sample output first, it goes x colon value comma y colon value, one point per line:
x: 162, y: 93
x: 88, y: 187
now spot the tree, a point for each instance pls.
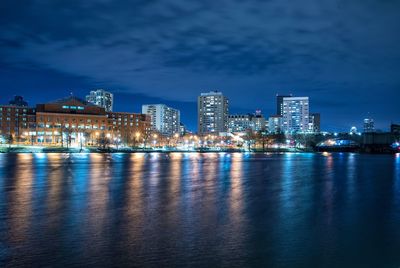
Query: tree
x: 9, y: 139
x: 250, y: 138
x: 103, y: 141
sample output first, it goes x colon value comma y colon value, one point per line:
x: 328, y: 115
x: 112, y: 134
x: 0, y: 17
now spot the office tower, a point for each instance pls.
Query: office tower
x: 279, y: 103
x: 275, y: 124
x: 164, y: 119
x: 101, y: 98
x: 295, y: 115
x: 212, y: 113
x: 369, y: 125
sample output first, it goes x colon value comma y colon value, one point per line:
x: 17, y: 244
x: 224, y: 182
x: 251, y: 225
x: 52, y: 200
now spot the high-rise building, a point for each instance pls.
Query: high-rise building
x: 275, y: 124
x: 101, y: 98
x: 213, y: 110
x: 369, y: 125
x: 164, y: 119
x: 296, y: 114
x: 315, y: 122
x: 279, y: 103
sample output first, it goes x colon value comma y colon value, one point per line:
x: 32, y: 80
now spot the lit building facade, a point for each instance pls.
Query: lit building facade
x: 240, y: 122
x: 164, y: 119
x: 101, y: 98
x: 275, y: 124
x: 70, y: 120
x: 213, y: 111
x: 296, y: 115
x: 369, y: 125
x: 243, y: 122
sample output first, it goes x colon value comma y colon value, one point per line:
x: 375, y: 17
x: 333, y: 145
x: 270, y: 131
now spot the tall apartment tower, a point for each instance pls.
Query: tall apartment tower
x: 101, y: 98
x: 213, y: 110
x: 279, y: 103
x: 164, y: 119
x: 295, y: 114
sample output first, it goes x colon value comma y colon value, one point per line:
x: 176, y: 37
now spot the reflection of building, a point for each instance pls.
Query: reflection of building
x: 275, y: 124
x: 101, y: 98
x: 70, y: 119
x: 164, y: 119
x: 212, y: 113
x: 369, y: 125
x: 295, y: 114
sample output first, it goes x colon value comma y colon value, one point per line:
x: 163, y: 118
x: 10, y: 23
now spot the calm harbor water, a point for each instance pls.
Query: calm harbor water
x: 200, y: 210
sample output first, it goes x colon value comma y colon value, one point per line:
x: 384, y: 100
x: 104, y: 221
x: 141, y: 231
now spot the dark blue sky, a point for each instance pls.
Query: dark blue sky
x: 345, y: 55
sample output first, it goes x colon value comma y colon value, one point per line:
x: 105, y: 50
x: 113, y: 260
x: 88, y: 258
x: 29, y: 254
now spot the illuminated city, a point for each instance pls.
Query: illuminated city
x: 200, y: 133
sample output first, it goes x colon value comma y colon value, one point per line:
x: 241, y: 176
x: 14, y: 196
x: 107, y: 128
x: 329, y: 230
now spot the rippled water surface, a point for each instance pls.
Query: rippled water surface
x: 200, y: 210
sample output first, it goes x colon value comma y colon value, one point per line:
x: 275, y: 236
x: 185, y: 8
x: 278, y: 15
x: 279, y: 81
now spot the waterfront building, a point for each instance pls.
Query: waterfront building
x: 240, y: 122
x: 259, y: 122
x: 243, y: 122
x: 213, y: 110
x: 164, y: 119
x: 70, y: 121
x: 101, y: 98
x: 369, y: 125
x: 295, y: 115
x: 275, y: 124
x: 15, y: 121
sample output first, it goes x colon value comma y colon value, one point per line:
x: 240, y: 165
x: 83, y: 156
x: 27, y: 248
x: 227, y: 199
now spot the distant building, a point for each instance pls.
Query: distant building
x: 279, y: 103
x: 18, y: 101
x: 182, y: 129
x: 240, y: 122
x: 259, y: 121
x: 296, y: 115
x: 395, y: 128
x: 164, y: 119
x: 243, y: 122
x: 213, y: 110
x: 275, y: 124
x: 369, y: 125
x: 315, y: 122
x: 101, y: 98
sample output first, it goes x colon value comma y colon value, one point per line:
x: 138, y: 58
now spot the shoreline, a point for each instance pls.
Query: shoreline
x: 11, y: 150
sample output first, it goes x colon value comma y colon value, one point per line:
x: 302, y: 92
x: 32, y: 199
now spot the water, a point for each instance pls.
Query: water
x: 200, y: 210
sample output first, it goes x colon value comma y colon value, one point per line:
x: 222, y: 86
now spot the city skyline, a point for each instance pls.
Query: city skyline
x: 343, y: 55
x: 193, y: 125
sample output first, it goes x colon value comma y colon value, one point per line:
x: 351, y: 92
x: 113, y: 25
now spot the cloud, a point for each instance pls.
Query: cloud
x: 175, y: 49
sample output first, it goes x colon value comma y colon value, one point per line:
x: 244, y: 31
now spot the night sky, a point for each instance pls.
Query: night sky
x: 344, y: 54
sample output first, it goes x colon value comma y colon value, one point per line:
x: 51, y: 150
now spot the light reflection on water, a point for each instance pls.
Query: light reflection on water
x: 194, y: 209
